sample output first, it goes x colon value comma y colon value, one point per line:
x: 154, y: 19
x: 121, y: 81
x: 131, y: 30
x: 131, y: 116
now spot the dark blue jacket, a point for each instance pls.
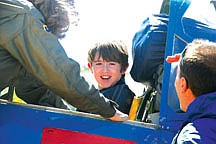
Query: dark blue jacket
x: 121, y: 94
x: 200, y: 124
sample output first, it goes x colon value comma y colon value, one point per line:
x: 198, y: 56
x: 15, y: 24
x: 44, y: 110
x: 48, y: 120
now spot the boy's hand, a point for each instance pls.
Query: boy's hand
x: 119, y: 116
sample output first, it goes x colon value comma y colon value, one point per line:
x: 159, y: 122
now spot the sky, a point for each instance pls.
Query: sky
x: 106, y: 20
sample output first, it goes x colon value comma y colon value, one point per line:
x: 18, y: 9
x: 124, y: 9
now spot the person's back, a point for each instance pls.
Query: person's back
x: 200, y: 125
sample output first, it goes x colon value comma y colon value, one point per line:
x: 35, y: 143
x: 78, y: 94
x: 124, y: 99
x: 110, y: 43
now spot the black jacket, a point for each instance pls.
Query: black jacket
x: 121, y: 94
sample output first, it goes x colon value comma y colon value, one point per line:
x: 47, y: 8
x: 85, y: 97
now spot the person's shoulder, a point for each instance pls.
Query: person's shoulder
x: 18, y: 8
x: 17, y: 15
x: 202, y: 122
x: 201, y: 131
x: 189, y: 134
x: 121, y: 88
x: 15, y: 6
x: 206, y: 128
x: 12, y: 20
x: 124, y: 88
x: 206, y: 124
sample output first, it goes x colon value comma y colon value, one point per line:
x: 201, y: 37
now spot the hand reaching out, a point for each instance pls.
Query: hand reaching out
x: 119, y: 116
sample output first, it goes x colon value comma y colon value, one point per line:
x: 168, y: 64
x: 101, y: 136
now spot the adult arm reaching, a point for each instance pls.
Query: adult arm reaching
x: 33, y: 60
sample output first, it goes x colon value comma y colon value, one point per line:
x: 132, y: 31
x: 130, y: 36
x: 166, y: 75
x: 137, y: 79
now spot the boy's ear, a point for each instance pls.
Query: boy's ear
x: 123, y: 71
x: 90, y: 67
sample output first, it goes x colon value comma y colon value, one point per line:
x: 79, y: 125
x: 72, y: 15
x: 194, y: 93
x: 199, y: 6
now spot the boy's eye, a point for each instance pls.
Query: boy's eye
x: 112, y: 63
x: 98, y: 63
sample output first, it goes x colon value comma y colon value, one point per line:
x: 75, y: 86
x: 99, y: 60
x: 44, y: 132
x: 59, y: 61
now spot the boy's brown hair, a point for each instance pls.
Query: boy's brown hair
x: 115, y: 51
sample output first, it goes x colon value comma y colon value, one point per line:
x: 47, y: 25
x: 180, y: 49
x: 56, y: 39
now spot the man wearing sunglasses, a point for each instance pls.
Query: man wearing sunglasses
x: 196, y: 89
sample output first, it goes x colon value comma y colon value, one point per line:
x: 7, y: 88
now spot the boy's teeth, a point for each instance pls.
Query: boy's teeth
x: 105, y: 76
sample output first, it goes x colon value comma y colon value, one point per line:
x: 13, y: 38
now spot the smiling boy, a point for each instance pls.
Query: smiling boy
x: 108, y: 62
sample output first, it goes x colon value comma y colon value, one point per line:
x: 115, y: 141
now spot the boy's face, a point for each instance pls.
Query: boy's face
x: 106, y: 73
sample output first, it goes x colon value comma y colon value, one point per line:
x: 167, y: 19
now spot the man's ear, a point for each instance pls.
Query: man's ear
x: 183, y: 85
x: 90, y: 67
